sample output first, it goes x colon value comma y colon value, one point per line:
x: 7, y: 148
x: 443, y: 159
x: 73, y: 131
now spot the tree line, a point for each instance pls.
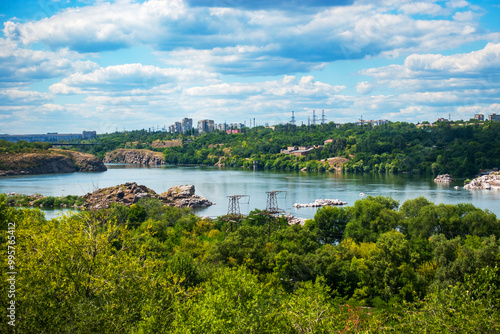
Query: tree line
x: 459, y: 148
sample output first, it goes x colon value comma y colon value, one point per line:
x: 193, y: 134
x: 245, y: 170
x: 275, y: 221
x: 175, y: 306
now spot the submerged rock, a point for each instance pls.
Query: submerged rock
x: 319, y: 203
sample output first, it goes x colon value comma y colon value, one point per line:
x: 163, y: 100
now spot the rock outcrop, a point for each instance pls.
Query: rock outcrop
x: 51, y: 161
x: 184, y: 197
x: 84, y: 162
x: 127, y: 194
x: 130, y: 193
x: 491, y: 181
x: 134, y: 156
x: 444, y: 178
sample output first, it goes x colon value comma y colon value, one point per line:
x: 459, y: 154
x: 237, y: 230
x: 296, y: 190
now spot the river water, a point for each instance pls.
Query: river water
x: 217, y: 183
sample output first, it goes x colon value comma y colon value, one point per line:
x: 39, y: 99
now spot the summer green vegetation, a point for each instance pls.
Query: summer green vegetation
x: 44, y: 201
x: 457, y: 148
x: 373, y: 267
x: 23, y: 147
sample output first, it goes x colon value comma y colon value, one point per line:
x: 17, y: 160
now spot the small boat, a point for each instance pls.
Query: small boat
x: 361, y: 194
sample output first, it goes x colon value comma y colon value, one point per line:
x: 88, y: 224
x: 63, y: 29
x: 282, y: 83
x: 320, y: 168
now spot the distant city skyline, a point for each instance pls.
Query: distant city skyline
x: 130, y: 64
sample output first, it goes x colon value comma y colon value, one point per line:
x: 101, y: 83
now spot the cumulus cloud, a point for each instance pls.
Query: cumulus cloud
x: 476, y: 65
x: 15, y: 97
x: 305, y: 87
x: 364, y: 87
x: 219, y: 100
x: 252, y: 37
x: 21, y: 66
x: 462, y: 84
x: 128, y: 77
x: 425, y: 8
x: 291, y: 5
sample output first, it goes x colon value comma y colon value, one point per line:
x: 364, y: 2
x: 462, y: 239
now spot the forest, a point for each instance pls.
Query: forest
x: 376, y: 266
x: 460, y: 148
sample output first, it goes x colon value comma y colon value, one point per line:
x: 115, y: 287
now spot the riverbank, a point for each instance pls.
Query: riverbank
x: 49, y: 162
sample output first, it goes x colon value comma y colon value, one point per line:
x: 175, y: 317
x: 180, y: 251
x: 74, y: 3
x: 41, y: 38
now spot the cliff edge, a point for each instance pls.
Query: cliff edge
x: 134, y: 156
x: 49, y: 161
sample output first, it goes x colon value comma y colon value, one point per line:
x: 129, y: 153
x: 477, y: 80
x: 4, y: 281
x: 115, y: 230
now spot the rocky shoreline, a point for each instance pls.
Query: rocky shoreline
x: 490, y: 181
x: 50, y: 161
x: 134, y: 156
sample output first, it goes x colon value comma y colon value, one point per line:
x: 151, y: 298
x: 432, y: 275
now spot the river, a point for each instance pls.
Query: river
x: 217, y: 183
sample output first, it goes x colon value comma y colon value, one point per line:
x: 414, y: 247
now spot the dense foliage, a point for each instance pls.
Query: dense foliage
x: 44, y: 201
x: 148, y: 268
x: 457, y: 148
x: 22, y: 147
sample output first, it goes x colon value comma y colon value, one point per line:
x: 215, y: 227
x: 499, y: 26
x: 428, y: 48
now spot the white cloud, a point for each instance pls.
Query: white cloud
x: 129, y: 77
x: 15, y: 97
x: 364, y: 87
x: 477, y: 65
x: 426, y: 8
x: 20, y: 66
x: 246, y: 40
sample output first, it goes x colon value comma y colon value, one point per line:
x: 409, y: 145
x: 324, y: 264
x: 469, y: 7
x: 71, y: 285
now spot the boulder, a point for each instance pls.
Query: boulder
x: 491, y: 181
x: 129, y: 193
x: 177, y: 192
x: 444, y: 178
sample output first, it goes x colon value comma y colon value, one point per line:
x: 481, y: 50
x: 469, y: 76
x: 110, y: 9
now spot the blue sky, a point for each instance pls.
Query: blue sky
x: 69, y: 66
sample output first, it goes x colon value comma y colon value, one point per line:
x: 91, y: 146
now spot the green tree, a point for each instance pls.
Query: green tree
x: 330, y: 223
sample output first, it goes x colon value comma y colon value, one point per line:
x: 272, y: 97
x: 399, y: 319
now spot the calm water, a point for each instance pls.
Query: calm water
x: 215, y: 184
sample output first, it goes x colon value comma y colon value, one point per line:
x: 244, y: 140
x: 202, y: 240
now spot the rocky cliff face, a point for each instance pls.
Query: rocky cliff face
x: 52, y: 161
x: 134, y: 156
x: 84, y: 162
x: 130, y: 193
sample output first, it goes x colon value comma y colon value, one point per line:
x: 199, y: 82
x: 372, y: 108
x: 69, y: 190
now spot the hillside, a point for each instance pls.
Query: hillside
x: 49, y: 161
x: 134, y: 156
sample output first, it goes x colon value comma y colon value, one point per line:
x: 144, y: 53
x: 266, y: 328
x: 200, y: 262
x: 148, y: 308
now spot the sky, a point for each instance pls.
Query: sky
x: 72, y: 65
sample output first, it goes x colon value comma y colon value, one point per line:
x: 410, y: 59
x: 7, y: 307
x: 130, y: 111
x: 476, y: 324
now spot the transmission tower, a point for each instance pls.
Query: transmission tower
x: 234, y: 216
x: 272, y: 202
x: 233, y: 208
x: 314, y: 117
x: 323, y: 119
x: 272, y: 211
x: 292, y: 121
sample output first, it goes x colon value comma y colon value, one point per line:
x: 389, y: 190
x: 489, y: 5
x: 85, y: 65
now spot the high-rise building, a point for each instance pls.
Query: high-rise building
x: 206, y: 125
x: 187, y: 124
x: 494, y: 117
x: 479, y: 117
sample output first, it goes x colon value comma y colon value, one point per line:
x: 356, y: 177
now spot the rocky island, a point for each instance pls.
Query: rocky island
x: 129, y: 193
x: 444, y: 178
x: 49, y: 161
x: 490, y: 181
x: 134, y: 156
